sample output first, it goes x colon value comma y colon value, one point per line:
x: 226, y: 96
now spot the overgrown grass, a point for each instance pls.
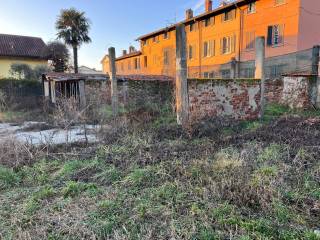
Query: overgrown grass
x: 141, y: 186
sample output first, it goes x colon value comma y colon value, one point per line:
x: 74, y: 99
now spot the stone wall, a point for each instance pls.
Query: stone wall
x: 238, y: 99
x: 297, y: 91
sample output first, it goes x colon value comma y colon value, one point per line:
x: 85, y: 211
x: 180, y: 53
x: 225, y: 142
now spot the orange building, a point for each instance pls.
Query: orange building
x: 224, y: 35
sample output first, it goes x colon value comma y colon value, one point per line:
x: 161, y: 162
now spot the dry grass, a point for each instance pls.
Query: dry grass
x: 140, y: 186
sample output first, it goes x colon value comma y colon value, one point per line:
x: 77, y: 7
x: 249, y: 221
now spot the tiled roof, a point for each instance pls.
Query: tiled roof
x: 161, y: 78
x: 199, y: 17
x: 133, y: 54
x: 21, y: 46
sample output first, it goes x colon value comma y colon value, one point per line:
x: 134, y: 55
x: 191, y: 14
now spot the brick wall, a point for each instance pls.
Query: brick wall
x: 273, y: 90
x: 239, y: 99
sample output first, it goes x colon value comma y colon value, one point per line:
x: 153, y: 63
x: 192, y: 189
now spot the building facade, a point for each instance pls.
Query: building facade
x: 226, y: 35
x: 20, y: 50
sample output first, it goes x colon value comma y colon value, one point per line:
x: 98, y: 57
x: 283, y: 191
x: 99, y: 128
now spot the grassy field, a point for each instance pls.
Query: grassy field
x: 222, y: 180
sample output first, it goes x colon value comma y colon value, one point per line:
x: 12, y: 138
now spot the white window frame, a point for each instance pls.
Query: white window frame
x: 208, y: 48
x: 277, y: 35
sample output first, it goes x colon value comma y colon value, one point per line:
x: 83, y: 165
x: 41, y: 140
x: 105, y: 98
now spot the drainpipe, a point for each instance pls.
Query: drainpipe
x: 240, y: 39
x: 200, y: 48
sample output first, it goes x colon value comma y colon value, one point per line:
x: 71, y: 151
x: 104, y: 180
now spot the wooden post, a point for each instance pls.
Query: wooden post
x: 113, y: 80
x: 182, y: 99
x: 315, y: 72
x: 53, y: 91
x: 259, y: 71
x: 82, y: 95
x: 46, y: 88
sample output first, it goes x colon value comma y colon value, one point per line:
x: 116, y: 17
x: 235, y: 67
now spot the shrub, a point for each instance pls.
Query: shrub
x: 74, y: 189
x: 3, y: 101
x: 8, y: 178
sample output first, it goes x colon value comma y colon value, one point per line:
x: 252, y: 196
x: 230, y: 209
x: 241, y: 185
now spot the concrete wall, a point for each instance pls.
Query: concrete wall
x: 309, y: 31
x: 238, y: 99
x: 296, y: 92
x: 5, y: 65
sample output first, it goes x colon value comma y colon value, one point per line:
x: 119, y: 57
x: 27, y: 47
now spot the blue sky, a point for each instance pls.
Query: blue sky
x: 114, y: 22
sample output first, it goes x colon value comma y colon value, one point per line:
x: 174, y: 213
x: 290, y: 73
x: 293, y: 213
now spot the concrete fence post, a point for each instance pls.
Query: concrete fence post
x: 315, y: 73
x: 82, y: 94
x: 113, y: 80
x: 259, y: 70
x: 182, y: 98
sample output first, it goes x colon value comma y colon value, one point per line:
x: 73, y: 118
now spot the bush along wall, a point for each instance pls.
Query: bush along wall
x: 20, y: 88
x: 238, y: 99
x: 21, y: 94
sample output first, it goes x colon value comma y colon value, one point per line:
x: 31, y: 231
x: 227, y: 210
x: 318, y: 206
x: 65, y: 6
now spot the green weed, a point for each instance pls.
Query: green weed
x: 8, y: 178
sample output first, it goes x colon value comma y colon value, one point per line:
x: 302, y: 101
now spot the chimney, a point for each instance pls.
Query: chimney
x: 124, y: 52
x: 223, y: 3
x: 132, y: 49
x: 189, y: 14
x: 208, y: 5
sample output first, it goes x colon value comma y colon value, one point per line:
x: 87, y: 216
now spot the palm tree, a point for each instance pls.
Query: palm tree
x: 73, y: 27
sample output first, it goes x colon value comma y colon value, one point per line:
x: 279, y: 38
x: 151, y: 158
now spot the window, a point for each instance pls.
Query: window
x: 145, y: 61
x: 275, y: 35
x: 206, y: 75
x: 230, y: 15
x: 191, y: 27
x: 208, y: 48
x: 155, y: 59
x: 166, y: 57
x: 191, y: 52
x: 166, y: 35
x: 279, y: 2
x: 137, y: 63
x: 228, y: 44
x: 144, y: 42
x: 129, y: 65
x: 250, y: 40
x: 277, y: 70
x: 251, y: 8
x: 155, y: 39
x: 205, y: 49
x: 207, y: 22
x: 248, y: 72
x: 225, y: 74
